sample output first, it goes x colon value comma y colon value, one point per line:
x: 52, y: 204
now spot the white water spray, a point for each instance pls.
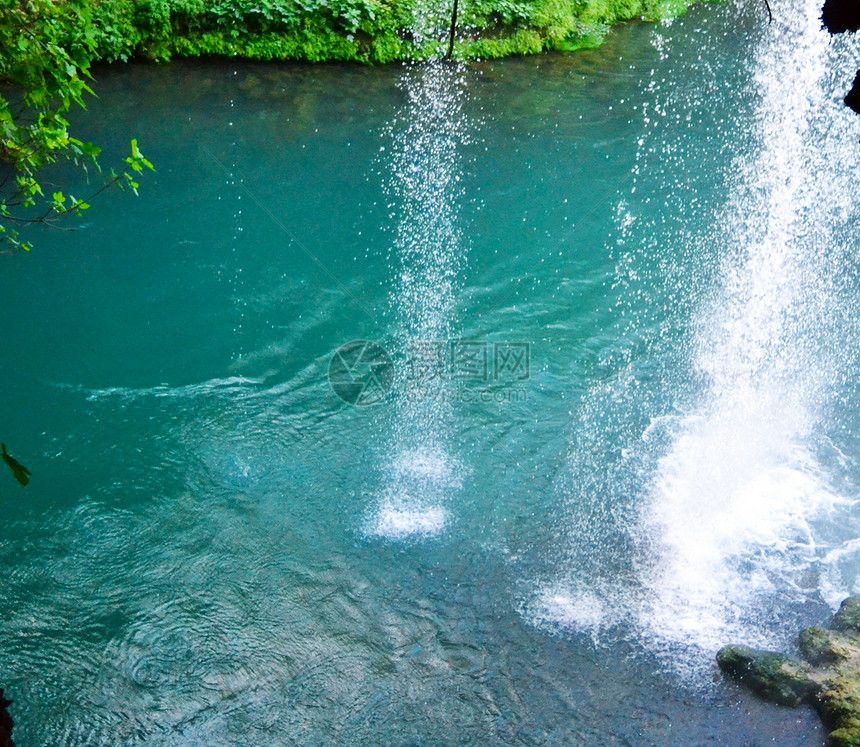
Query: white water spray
x: 429, y: 252
x: 729, y: 520
x: 739, y: 515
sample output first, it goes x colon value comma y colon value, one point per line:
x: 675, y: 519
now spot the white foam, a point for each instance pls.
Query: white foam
x: 570, y: 608
x: 726, y: 529
x: 212, y: 386
x: 418, y: 483
x: 426, y: 464
x: 398, y: 523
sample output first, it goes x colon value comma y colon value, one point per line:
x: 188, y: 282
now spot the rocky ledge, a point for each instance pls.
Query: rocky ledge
x: 827, y: 677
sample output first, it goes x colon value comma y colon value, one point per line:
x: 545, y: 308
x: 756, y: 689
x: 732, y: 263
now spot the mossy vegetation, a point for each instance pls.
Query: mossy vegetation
x: 368, y: 31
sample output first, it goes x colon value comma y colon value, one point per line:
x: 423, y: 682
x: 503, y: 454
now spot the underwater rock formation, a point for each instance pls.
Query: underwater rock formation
x: 828, y: 676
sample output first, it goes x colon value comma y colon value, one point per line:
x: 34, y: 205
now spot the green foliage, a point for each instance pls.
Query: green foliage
x: 371, y: 31
x: 115, y: 35
x: 520, y: 42
x: 44, y: 69
x: 153, y: 17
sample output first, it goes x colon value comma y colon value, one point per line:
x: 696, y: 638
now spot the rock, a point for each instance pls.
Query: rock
x: 839, y: 16
x: 852, y: 98
x: 839, y: 708
x: 847, y: 737
x: 6, y: 722
x: 775, y: 677
x: 828, y: 678
x: 824, y: 646
x: 848, y: 616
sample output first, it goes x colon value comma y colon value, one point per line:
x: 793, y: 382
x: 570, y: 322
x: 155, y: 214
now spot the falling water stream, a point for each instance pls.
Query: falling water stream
x: 745, y: 487
x: 217, y: 549
x: 429, y: 254
x: 730, y: 520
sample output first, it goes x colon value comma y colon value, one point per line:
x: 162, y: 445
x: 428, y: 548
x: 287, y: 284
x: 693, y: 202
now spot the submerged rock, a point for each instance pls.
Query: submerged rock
x: 828, y: 677
x: 775, y: 677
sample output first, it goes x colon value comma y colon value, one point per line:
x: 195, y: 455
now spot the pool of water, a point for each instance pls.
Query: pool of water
x: 615, y: 295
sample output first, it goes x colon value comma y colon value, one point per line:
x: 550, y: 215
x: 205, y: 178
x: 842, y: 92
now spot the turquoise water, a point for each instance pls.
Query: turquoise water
x: 216, y: 549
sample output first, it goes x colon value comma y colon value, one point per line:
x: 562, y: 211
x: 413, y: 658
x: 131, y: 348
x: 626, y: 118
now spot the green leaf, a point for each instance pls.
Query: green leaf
x: 46, y: 48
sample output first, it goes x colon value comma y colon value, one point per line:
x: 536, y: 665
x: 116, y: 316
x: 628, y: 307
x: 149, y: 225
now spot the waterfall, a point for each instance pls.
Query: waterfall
x: 743, y: 491
x: 731, y: 519
x: 429, y: 253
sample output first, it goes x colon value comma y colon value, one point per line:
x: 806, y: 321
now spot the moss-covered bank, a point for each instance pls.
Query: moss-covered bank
x: 828, y: 676
x: 369, y: 31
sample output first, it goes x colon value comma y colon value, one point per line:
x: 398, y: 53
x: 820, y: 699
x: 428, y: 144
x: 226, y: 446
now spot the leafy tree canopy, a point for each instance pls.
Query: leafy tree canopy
x: 44, y: 71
